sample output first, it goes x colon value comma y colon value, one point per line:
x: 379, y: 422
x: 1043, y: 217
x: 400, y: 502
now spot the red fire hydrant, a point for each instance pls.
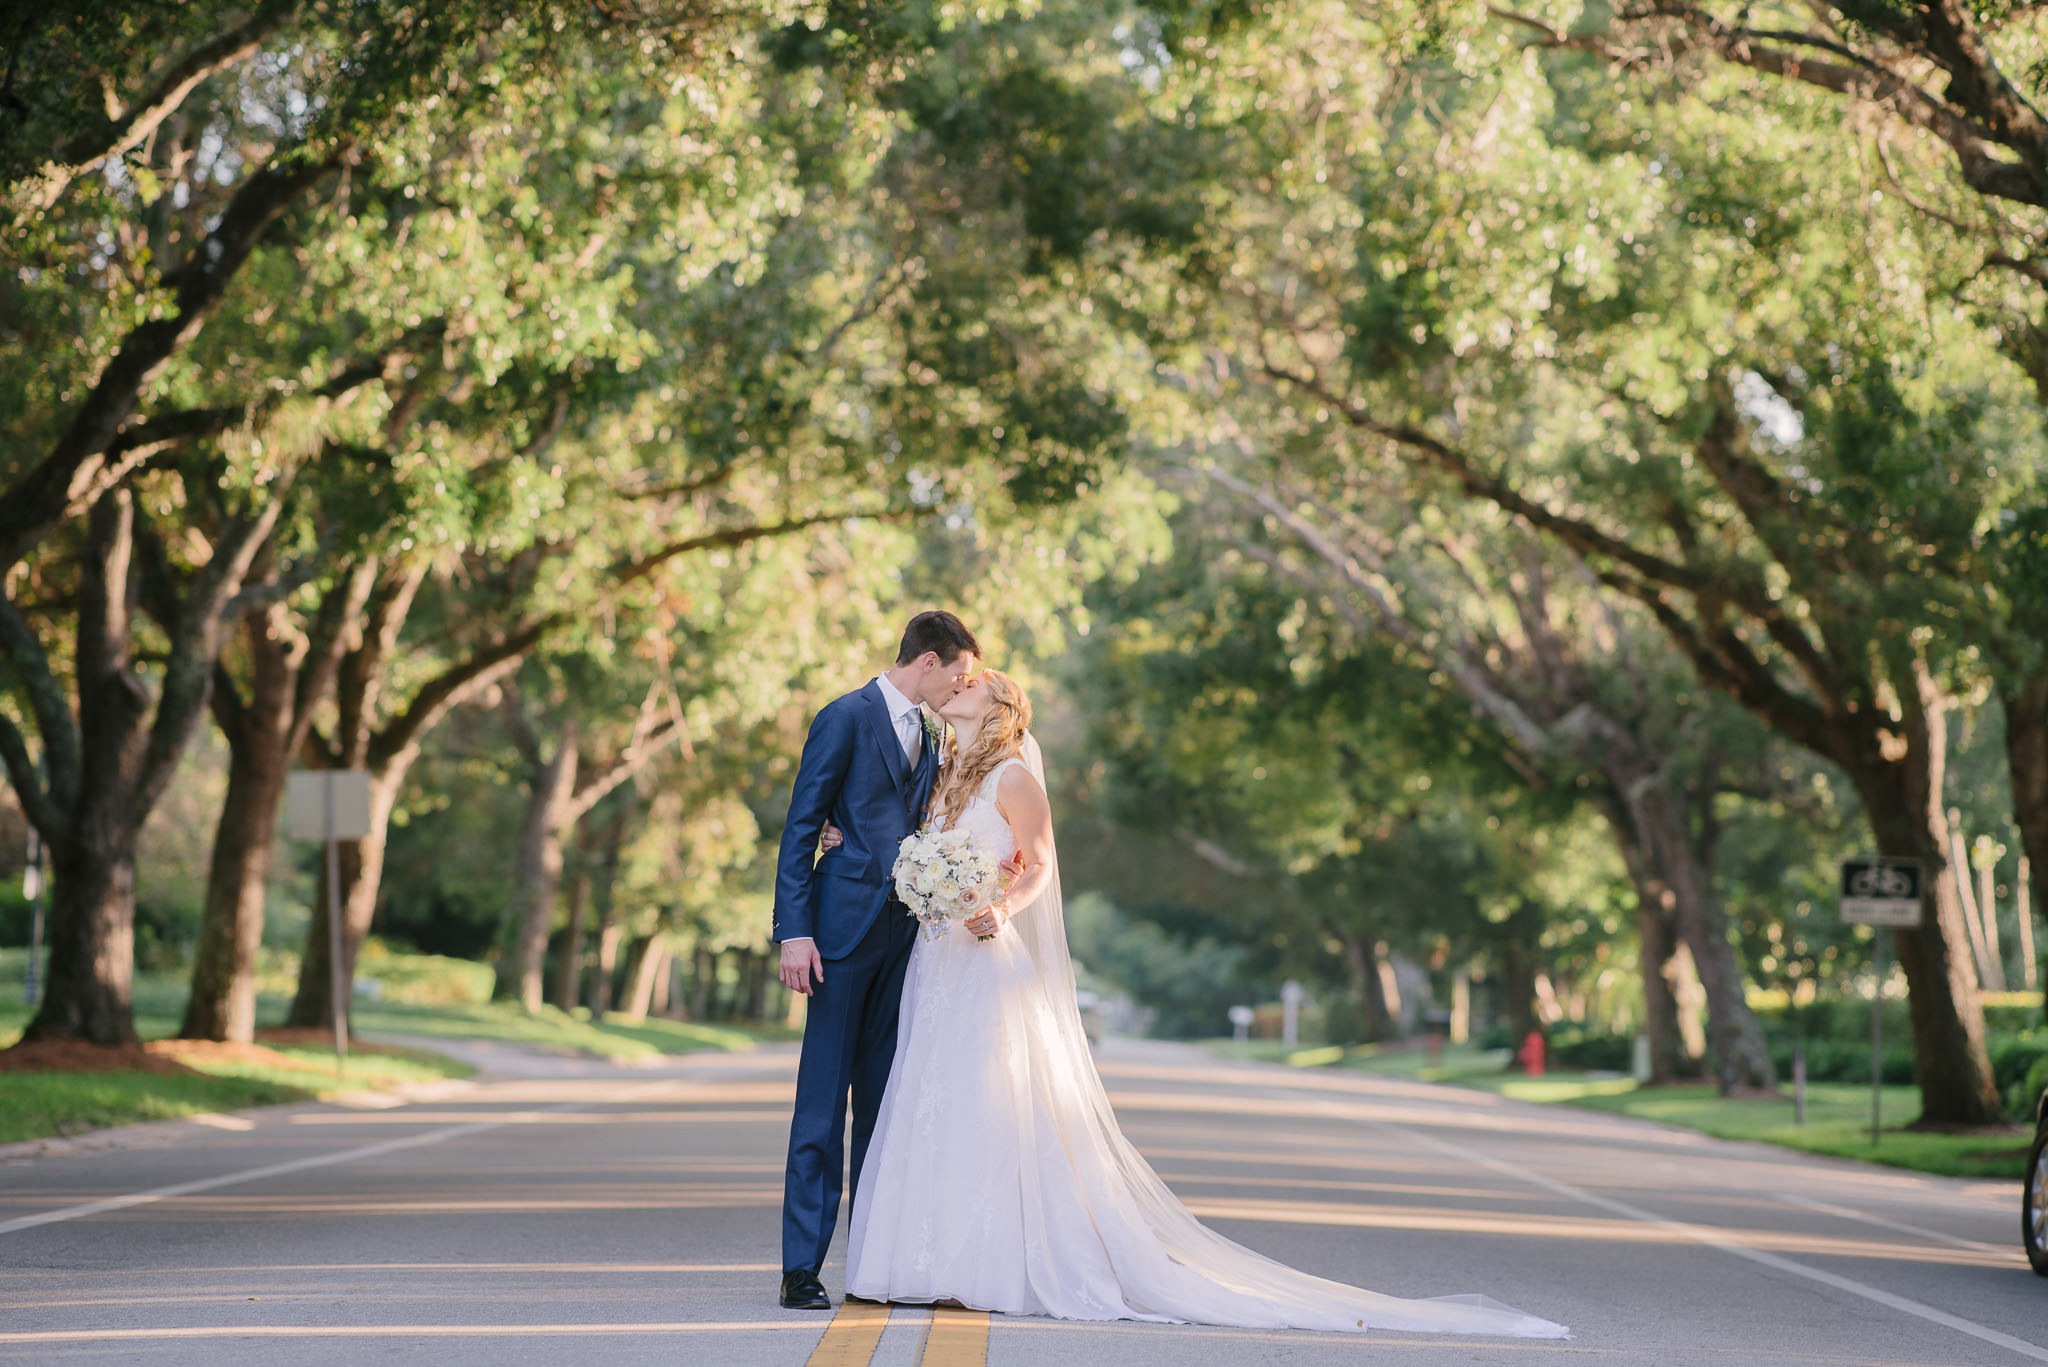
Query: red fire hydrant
x: 1531, y: 1054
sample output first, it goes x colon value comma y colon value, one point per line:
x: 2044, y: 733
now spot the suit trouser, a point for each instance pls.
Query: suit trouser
x: 849, y: 1043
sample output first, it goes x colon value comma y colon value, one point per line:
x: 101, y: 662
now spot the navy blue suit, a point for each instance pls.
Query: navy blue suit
x: 854, y: 772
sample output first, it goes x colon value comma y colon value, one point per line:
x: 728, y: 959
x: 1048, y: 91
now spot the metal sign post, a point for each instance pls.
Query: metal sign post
x: 1880, y: 893
x: 1290, y: 1013
x: 332, y: 805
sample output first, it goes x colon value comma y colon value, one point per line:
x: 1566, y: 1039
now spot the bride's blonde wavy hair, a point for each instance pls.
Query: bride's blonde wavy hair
x: 1001, y: 737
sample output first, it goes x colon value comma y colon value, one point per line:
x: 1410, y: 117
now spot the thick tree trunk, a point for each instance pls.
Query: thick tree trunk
x: 92, y: 942
x: 288, y: 679
x: 569, y: 973
x: 362, y: 873
x: 126, y: 750
x: 2026, y: 753
x: 538, y: 879
x: 703, y: 982
x: 223, y: 1001
x: 1374, y: 1022
x: 607, y: 928
x: 1668, y: 1058
x: 261, y: 738
x: 661, y: 985
x: 1518, y: 984
x: 1954, y: 1066
x: 757, y: 985
x: 1657, y: 939
x: 608, y: 937
x: 649, y: 960
x: 1741, y: 1060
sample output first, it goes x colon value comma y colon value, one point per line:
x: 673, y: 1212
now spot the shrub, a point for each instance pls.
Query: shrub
x: 1599, y: 1052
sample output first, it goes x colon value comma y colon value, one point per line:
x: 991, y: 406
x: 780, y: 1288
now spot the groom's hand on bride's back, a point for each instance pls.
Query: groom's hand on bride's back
x: 799, y: 961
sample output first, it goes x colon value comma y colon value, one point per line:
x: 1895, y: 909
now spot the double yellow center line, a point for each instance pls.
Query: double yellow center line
x: 952, y: 1338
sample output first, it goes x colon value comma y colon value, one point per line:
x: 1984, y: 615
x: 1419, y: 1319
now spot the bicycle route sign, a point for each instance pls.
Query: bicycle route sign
x: 1881, y: 892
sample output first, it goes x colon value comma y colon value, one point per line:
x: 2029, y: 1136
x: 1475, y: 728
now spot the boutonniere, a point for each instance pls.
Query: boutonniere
x: 934, y: 733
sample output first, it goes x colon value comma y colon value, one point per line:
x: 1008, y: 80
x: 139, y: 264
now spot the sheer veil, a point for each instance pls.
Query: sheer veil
x: 1095, y: 1194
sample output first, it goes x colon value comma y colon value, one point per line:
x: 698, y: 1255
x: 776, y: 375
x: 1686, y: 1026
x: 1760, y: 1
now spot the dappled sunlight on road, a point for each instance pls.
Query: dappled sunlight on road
x: 535, y: 1117
x: 386, y: 1331
x: 1323, y: 1184
x: 696, y: 1196
x: 1532, y: 1122
x: 548, y: 1267
x: 1585, y: 1228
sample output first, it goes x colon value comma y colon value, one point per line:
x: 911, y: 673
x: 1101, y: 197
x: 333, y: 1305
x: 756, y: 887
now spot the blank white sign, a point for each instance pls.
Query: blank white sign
x: 308, y: 793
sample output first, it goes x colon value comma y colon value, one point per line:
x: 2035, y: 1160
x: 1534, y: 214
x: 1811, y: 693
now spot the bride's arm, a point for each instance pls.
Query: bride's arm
x: 1022, y: 803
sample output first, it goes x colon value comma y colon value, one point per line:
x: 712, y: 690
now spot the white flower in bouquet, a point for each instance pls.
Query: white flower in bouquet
x: 945, y: 876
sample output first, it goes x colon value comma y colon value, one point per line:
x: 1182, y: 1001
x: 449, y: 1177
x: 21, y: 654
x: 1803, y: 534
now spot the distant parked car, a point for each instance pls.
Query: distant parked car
x: 2034, y: 1196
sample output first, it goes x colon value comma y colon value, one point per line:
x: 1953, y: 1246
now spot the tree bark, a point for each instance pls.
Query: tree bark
x: 1518, y: 984
x: 362, y: 872
x: 1669, y: 1059
x: 134, y: 124
x: 77, y: 472
x: 124, y: 750
x: 648, y: 960
x: 223, y: 1001
x: 703, y: 982
x: 569, y: 973
x: 92, y: 941
x: 538, y: 879
x: 387, y: 752
x: 1740, y: 1058
x: 2026, y: 754
x: 1656, y: 939
x: 1374, y: 1022
x: 757, y: 984
x: 1902, y: 801
x: 264, y: 734
x: 607, y: 929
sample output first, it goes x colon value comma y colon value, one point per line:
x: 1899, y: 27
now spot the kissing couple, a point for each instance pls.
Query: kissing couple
x: 988, y: 1168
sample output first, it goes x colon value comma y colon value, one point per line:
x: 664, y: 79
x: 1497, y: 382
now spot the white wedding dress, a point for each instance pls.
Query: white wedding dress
x: 997, y: 1175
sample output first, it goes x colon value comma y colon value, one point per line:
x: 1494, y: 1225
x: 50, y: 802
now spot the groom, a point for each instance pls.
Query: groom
x: 868, y: 767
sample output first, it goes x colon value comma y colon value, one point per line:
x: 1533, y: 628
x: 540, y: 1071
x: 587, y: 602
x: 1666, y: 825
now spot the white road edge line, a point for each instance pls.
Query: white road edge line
x: 1715, y: 1239
x: 142, y: 1198
x: 1899, y: 1226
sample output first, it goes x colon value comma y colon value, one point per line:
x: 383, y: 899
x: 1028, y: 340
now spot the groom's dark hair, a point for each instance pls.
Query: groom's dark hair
x: 936, y: 631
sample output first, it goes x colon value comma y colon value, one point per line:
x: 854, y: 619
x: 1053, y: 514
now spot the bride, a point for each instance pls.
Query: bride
x: 997, y: 1176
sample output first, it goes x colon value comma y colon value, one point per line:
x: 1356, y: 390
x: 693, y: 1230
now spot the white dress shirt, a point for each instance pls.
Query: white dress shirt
x: 907, y: 716
x: 908, y: 719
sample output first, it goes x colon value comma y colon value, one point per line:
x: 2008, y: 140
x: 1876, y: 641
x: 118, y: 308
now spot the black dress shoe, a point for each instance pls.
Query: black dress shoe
x: 802, y: 1290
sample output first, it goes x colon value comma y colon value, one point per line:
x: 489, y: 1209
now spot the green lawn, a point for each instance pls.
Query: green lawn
x: 615, y: 1036
x: 422, y: 996
x: 38, y: 1105
x: 1837, y: 1123
x: 1837, y: 1114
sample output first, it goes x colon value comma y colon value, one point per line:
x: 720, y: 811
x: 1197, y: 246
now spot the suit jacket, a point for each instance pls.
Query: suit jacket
x: 853, y: 771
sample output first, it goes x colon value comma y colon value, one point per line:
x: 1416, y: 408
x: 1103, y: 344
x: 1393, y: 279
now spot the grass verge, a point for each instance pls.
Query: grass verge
x: 614, y: 1036
x: 198, y: 1081
x: 421, y: 995
x: 1837, y: 1114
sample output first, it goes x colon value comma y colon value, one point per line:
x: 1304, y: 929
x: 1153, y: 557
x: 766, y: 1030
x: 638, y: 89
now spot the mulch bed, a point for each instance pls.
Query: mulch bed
x: 76, y: 1056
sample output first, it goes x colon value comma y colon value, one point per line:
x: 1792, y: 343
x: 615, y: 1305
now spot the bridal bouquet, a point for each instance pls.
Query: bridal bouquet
x: 945, y: 876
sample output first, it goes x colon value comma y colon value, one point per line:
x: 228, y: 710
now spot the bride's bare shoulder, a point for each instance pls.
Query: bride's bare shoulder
x: 1016, y: 787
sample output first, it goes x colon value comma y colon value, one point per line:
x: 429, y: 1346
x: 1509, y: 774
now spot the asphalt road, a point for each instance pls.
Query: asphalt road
x: 566, y: 1208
